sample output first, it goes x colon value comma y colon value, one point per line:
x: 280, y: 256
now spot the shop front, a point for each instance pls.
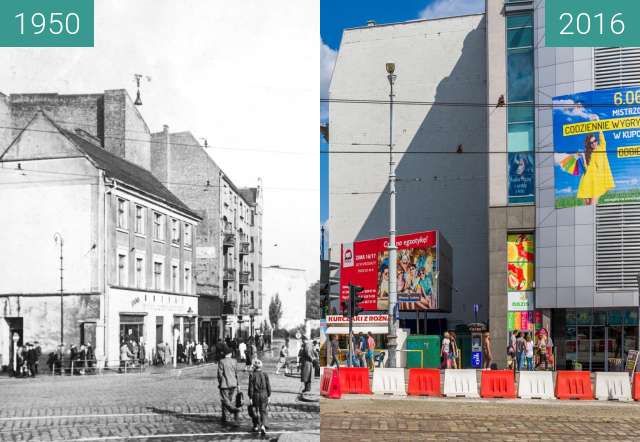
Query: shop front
x: 338, y: 325
x: 598, y: 339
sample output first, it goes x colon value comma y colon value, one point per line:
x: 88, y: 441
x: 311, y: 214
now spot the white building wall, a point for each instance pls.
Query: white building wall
x: 436, y: 60
x: 291, y: 286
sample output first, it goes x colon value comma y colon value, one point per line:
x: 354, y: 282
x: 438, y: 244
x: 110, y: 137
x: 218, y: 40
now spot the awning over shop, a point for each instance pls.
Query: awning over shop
x: 345, y: 330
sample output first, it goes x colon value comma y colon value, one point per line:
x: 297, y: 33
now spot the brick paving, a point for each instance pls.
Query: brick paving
x: 408, y: 419
x: 172, y: 405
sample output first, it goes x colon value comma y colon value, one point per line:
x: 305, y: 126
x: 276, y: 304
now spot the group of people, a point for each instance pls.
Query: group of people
x: 413, y: 276
x: 27, y: 357
x: 192, y: 352
x: 526, y: 353
x: 132, y: 354
x: 259, y: 391
x: 81, y: 360
x: 449, y: 351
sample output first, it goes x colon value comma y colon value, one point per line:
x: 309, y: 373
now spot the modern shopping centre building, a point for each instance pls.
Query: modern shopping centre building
x: 487, y: 174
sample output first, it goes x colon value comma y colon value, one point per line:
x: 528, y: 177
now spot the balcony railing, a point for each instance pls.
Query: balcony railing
x: 229, y: 308
x: 244, y: 248
x: 229, y: 240
x: 244, y: 278
x: 229, y: 274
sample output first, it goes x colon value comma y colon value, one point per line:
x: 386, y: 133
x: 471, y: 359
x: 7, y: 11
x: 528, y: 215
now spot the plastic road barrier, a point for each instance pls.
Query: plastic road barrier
x: 461, y: 383
x: 613, y: 386
x: 354, y: 380
x: 636, y: 386
x: 424, y: 382
x: 497, y: 383
x: 573, y: 385
x: 536, y: 385
x: 389, y: 381
x: 330, y: 384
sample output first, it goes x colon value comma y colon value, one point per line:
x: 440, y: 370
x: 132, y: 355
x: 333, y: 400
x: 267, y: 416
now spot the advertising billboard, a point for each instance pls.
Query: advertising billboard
x: 423, y: 272
x: 596, y: 138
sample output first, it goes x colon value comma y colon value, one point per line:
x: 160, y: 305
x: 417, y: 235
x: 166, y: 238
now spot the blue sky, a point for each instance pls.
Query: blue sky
x: 336, y: 15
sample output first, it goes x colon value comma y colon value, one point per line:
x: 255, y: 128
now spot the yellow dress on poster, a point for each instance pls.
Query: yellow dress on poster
x: 597, y: 179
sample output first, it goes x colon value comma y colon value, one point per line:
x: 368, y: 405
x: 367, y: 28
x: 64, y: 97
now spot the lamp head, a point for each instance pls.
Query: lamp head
x: 391, y: 67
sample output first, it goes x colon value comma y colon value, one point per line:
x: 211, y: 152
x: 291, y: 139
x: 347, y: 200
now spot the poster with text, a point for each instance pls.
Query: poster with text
x: 366, y: 264
x: 596, y: 137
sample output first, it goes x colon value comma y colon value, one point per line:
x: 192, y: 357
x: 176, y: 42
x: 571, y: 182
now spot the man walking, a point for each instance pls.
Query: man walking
x: 228, y: 385
x: 335, y: 352
x: 259, y: 393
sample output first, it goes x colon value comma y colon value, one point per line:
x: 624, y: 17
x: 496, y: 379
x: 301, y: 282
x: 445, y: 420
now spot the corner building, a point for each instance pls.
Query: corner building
x: 128, y: 250
x: 582, y: 284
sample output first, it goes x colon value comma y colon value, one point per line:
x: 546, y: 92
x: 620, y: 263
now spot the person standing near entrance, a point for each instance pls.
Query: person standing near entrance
x: 371, y: 346
x: 520, y: 351
x: 228, y: 385
x: 529, y: 351
x: 487, y: 354
x: 335, y: 352
x: 542, y: 350
x: 445, y: 348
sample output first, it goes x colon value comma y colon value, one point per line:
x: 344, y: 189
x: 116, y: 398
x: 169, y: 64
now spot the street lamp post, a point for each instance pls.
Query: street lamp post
x: 57, y: 237
x: 393, y: 257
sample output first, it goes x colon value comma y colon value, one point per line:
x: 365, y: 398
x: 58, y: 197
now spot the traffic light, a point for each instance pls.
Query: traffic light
x: 355, y: 300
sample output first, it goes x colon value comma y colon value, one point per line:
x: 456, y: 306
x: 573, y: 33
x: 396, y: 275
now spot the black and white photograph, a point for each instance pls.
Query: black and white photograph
x: 159, y: 272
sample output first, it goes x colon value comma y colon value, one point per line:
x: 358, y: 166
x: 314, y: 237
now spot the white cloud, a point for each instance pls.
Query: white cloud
x: 573, y: 109
x: 327, y: 62
x: 450, y: 8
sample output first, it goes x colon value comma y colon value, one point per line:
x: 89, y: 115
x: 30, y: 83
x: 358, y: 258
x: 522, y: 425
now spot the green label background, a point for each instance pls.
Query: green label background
x: 10, y: 25
x: 630, y: 10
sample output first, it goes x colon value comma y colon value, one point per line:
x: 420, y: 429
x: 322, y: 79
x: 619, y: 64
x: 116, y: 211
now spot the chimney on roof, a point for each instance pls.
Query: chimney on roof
x: 371, y: 23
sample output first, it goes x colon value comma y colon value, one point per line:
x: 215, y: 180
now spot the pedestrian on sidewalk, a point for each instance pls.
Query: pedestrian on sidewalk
x: 487, y: 353
x: 306, y: 360
x: 445, y: 349
x: 282, y: 360
x: 228, y: 385
x: 199, y: 353
x: 371, y: 346
x: 542, y: 350
x: 453, y: 350
x: 520, y: 350
x: 335, y: 352
x: 529, y: 351
x: 511, y: 349
x: 125, y: 356
x: 259, y: 393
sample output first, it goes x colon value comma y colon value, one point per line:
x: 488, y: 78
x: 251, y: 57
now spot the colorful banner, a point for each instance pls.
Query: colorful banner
x: 522, y: 172
x: 366, y: 264
x: 521, y: 260
x: 596, y: 137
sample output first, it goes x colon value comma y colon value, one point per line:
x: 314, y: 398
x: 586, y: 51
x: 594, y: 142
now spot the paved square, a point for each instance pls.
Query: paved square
x: 174, y: 405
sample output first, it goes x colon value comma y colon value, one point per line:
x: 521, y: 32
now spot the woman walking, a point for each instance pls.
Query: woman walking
x: 529, y: 351
x: 445, y: 349
x: 487, y: 354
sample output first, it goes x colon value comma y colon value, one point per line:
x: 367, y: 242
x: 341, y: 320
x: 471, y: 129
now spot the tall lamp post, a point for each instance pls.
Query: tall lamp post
x: 393, y: 256
x: 57, y: 237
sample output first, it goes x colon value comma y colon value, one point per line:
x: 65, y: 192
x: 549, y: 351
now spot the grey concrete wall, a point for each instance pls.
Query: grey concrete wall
x: 436, y: 60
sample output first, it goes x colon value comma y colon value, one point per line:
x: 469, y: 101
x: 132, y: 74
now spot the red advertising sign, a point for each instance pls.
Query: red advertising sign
x: 366, y: 264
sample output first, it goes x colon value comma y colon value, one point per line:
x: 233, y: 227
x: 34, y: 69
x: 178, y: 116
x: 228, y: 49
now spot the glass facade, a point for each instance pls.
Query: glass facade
x: 599, y: 340
x: 520, y: 112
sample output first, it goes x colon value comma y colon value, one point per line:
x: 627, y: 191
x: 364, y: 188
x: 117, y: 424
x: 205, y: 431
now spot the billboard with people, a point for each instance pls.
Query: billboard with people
x: 596, y: 137
x: 423, y: 272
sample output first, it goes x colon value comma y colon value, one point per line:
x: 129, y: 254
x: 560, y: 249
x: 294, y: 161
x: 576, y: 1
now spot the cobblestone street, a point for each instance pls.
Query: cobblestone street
x: 175, y: 405
x: 465, y: 419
